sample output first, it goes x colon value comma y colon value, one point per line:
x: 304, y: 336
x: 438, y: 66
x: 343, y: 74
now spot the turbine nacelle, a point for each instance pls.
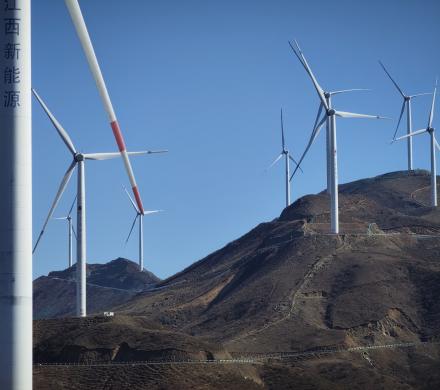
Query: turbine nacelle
x: 79, y: 157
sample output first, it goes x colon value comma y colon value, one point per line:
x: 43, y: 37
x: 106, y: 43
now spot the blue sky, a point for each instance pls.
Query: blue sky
x: 207, y: 79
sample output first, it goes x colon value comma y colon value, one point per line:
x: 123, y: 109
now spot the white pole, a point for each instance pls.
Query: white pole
x: 286, y: 155
x: 81, y: 244
x: 141, y: 242
x: 409, y: 131
x: 328, y: 150
x: 433, y: 171
x: 334, y: 178
x: 69, y: 219
x: 16, y: 197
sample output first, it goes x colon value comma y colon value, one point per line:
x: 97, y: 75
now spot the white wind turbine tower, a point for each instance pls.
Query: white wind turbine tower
x: 71, y: 232
x: 78, y: 160
x: 433, y: 144
x: 16, y: 198
x: 406, y: 105
x: 287, y: 159
x: 329, y: 115
x: 141, y: 228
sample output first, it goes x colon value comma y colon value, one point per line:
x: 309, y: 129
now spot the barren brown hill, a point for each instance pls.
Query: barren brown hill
x: 288, y: 286
x: 116, y: 339
x: 108, y: 285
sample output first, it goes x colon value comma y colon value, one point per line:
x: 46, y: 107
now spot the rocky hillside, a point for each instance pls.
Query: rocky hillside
x: 376, y: 282
x: 107, y: 285
x: 288, y: 285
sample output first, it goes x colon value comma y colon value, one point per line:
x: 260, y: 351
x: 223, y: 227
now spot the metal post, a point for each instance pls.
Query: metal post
x: 334, y: 178
x: 81, y: 243
x: 433, y: 171
x: 409, y: 131
x: 16, y: 197
x: 286, y: 155
x: 328, y: 147
x: 69, y: 219
x: 141, y: 242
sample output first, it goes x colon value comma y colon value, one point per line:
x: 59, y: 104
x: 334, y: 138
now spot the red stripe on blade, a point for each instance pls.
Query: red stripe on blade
x: 118, y: 135
x: 137, y: 196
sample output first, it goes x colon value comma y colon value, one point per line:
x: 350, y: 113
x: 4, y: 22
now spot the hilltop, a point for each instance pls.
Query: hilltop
x: 108, y: 285
x: 288, y: 285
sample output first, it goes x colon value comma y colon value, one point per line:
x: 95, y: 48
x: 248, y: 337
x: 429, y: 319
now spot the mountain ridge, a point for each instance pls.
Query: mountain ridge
x: 108, y: 284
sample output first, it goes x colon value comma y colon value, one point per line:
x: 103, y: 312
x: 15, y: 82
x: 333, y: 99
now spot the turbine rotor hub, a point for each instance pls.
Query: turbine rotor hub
x: 430, y: 130
x: 327, y: 94
x: 407, y: 98
x: 331, y: 112
x: 78, y: 157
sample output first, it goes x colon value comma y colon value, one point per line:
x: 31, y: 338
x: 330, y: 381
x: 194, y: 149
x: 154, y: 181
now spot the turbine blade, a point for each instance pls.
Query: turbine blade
x: 150, y: 152
x: 298, y: 56
x: 294, y: 161
x: 349, y: 90
x: 62, y: 133
x: 395, y: 84
x: 86, y: 43
x: 60, y: 218
x: 60, y: 191
x: 282, y: 131
x: 318, y: 115
x: 132, y: 227
x: 400, y: 118
x: 147, y: 212
x: 303, y: 60
x: 275, y: 161
x: 71, y: 207
x: 101, y: 156
x: 74, y: 233
x: 131, y: 200
x: 113, y: 155
x: 436, y: 144
x: 420, y: 94
x: 431, y: 113
x: 411, y: 134
x: 344, y: 114
x: 315, y: 133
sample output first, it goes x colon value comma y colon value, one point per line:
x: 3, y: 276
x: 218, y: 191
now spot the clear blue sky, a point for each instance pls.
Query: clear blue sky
x: 206, y: 79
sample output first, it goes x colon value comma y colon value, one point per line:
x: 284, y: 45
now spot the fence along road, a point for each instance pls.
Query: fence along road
x: 251, y: 358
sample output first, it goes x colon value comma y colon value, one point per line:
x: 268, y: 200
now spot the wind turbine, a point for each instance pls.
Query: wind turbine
x: 287, y: 159
x: 406, y: 105
x: 141, y: 228
x: 86, y: 43
x: 328, y: 116
x: 16, y: 198
x: 71, y: 231
x: 78, y: 161
x: 434, y: 144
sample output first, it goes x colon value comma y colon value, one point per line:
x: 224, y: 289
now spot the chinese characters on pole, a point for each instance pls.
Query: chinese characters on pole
x: 11, y: 50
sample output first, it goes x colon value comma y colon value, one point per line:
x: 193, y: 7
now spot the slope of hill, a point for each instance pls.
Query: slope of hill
x: 107, y: 285
x: 288, y: 285
x: 378, y: 281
